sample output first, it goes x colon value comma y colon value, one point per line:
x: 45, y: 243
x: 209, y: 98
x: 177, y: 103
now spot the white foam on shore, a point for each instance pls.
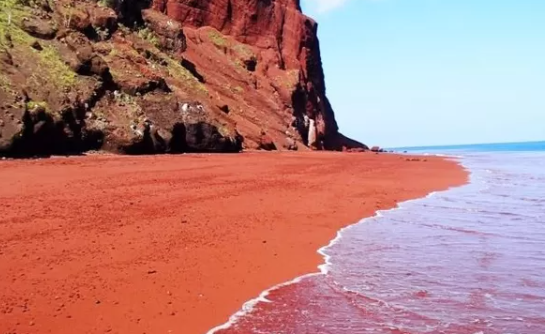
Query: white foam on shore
x: 324, y: 268
x: 248, y: 306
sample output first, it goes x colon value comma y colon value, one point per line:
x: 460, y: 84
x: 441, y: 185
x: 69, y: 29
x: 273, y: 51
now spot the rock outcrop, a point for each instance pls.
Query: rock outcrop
x: 143, y: 77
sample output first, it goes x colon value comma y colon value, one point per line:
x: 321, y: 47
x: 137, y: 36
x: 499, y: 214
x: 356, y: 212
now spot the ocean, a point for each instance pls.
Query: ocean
x: 469, y: 260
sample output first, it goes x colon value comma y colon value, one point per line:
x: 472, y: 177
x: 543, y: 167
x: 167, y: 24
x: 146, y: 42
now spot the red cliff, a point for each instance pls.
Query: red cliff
x: 162, y: 76
x: 287, y: 50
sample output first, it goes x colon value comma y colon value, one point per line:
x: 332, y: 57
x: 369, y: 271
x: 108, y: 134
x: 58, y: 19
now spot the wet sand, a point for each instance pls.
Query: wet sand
x: 176, y: 244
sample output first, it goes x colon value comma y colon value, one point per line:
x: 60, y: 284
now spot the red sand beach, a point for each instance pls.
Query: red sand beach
x: 176, y: 244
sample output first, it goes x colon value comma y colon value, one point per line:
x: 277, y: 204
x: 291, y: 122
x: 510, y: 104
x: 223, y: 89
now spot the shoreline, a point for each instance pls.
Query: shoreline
x: 269, y: 217
x: 248, y: 306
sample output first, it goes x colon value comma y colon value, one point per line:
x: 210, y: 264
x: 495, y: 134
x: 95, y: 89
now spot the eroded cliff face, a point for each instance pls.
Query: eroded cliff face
x: 287, y: 56
x: 139, y: 76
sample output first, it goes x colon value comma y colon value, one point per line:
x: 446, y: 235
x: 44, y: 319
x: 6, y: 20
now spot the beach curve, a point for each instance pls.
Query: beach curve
x: 179, y: 243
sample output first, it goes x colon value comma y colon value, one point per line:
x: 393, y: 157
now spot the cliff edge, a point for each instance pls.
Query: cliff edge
x: 161, y: 76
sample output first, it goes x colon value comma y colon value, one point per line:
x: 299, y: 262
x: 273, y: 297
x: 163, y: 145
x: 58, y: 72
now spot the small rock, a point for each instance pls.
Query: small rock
x: 171, y: 33
x: 104, y: 18
x: 8, y: 39
x: 38, y: 28
x: 36, y: 46
x: 150, y: 272
x: 224, y: 108
x: 79, y: 19
x: 266, y: 143
x: 291, y: 144
x: 97, y: 301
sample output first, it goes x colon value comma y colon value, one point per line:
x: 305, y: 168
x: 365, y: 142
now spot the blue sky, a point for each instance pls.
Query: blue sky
x: 434, y: 72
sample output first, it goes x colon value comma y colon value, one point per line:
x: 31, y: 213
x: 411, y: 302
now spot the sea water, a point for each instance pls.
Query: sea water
x: 467, y: 260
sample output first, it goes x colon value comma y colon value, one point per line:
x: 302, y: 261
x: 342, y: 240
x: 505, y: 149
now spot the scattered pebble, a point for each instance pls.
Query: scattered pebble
x: 36, y: 45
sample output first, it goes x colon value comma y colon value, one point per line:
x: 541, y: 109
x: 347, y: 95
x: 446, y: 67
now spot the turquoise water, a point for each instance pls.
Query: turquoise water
x: 497, y: 147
